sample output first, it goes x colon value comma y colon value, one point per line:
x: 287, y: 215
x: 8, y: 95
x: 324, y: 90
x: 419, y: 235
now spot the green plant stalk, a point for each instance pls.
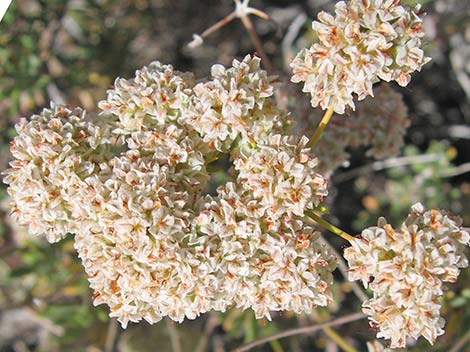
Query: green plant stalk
x: 321, y: 126
x: 341, y: 342
x: 330, y: 227
x: 276, y: 346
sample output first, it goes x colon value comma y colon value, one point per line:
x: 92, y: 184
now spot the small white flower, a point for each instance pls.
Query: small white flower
x: 236, y: 104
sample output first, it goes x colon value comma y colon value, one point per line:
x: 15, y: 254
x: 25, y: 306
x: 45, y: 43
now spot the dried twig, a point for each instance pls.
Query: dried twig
x: 242, y: 11
x: 111, y: 336
x: 461, y: 343
x: 174, y: 336
x: 257, y: 42
x: 211, y: 324
x: 302, y: 330
x: 387, y: 164
x: 198, y: 39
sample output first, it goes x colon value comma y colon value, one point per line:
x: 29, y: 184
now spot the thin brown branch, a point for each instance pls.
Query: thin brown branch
x: 230, y: 17
x: 211, y: 324
x: 198, y: 39
x: 257, y: 42
x: 174, y: 336
x: 302, y: 330
x: 461, y: 343
x: 387, y: 164
x: 111, y: 336
x: 218, y: 343
x: 241, y: 11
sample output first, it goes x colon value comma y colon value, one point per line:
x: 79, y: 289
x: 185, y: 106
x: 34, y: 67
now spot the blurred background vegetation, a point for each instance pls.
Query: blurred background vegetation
x: 70, y: 51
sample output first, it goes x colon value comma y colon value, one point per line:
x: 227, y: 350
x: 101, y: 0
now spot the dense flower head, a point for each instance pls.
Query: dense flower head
x: 130, y: 183
x: 235, y: 105
x: 268, y: 264
x: 54, y: 152
x: 281, y: 175
x: 405, y: 268
x: 366, y: 40
x: 154, y: 97
x: 379, y: 123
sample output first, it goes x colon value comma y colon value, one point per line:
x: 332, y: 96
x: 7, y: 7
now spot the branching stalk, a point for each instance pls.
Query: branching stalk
x: 256, y: 42
x: 242, y: 11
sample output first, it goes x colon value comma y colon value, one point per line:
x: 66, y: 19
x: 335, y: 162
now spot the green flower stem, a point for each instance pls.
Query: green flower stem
x: 321, y: 126
x: 330, y: 227
x: 341, y: 342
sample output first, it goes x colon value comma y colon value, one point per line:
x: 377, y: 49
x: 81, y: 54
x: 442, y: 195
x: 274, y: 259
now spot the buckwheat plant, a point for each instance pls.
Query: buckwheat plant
x: 131, y: 185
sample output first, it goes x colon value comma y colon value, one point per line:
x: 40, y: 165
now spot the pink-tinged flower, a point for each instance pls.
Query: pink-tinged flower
x: 236, y: 104
x: 154, y: 97
x: 54, y: 152
x: 281, y: 175
x: 366, y: 40
x: 405, y: 268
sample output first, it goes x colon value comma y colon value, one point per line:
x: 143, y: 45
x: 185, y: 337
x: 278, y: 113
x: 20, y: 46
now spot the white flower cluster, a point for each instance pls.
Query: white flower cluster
x: 379, y: 123
x: 235, y: 104
x: 405, y: 268
x: 268, y: 264
x: 366, y: 40
x: 132, y: 192
x: 54, y: 152
x: 156, y: 96
x: 278, y: 174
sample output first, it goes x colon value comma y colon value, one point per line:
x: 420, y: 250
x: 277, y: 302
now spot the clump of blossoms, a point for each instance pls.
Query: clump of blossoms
x: 406, y: 269
x: 366, y: 40
x: 379, y: 124
x: 277, y: 175
x: 130, y: 184
x: 235, y: 105
x: 54, y: 152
